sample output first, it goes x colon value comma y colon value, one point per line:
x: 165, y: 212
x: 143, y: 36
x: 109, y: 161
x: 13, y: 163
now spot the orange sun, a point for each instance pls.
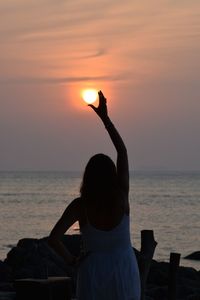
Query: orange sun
x: 89, y: 95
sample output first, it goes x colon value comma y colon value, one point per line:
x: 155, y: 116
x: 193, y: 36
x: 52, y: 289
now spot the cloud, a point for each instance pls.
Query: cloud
x: 97, y: 53
x: 24, y: 19
x: 59, y: 80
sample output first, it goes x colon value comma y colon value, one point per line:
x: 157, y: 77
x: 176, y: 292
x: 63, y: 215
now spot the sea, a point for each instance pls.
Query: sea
x: 163, y: 201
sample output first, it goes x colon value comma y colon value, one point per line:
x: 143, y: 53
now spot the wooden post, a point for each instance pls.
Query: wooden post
x: 172, y: 275
x: 148, y: 245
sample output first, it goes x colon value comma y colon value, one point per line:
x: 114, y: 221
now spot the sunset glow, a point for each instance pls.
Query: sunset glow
x: 143, y: 56
x: 89, y: 95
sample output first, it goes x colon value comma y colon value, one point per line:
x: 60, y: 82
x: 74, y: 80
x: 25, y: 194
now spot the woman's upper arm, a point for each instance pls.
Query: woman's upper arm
x: 68, y: 218
x: 123, y: 171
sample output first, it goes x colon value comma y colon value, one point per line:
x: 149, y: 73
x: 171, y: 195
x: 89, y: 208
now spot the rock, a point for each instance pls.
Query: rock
x: 49, y: 255
x: 184, y: 291
x: 73, y: 243
x: 188, y: 282
x: 5, y: 272
x: 15, y: 257
x: 6, y: 287
x: 193, y: 256
x: 158, y: 273
x: 188, y: 273
x: 34, y: 258
x: 193, y: 297
x: 157, y: 293
x: 27, y: 243
x: 7, y: 295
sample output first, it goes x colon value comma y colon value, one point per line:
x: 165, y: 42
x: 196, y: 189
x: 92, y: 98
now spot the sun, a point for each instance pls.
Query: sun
x: 89, y: 95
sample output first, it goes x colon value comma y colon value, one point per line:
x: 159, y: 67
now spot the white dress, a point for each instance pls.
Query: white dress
x: 110, y: 270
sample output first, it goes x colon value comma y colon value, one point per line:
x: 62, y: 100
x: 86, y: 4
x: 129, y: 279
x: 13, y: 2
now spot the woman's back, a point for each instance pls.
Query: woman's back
x: 95, y: 239
x: 103, y: 214
x: 109, y: 268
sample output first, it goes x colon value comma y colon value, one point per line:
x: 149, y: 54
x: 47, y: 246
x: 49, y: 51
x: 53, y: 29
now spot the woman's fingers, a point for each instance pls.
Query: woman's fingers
x: 101, y: 110
x: 102, y: 99
x: 93, y: 107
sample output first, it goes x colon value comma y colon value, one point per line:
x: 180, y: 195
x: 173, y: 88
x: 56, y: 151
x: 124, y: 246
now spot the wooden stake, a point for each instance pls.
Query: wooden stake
x: 172, y: 275
x: 148, y: 245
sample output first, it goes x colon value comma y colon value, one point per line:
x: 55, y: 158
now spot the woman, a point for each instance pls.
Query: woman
x: 109, y: 269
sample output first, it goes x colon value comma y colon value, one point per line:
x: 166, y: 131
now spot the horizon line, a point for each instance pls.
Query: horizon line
x: 81, y: 171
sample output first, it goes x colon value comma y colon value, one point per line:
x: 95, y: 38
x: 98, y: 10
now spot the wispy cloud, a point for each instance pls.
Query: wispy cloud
x: 122, y: 34
x: 59, y: 80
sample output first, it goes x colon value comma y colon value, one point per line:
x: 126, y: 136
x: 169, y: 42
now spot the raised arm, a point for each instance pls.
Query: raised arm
x: 122, y: 157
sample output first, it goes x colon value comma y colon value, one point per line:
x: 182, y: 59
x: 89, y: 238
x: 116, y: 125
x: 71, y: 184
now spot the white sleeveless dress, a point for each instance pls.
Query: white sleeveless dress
x: 110, y: 270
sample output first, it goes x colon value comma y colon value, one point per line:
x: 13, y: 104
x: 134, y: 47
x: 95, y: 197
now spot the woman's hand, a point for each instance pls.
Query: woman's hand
x: 101, y: 110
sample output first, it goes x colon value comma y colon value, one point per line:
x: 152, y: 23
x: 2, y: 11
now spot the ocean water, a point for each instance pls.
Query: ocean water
x: 168, y: 203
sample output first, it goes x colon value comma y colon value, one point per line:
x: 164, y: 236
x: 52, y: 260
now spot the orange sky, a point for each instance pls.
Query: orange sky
x: 143, y: 54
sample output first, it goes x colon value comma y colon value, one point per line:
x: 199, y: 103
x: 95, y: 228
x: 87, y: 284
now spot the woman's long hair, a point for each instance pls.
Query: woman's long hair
x: 99, y: 183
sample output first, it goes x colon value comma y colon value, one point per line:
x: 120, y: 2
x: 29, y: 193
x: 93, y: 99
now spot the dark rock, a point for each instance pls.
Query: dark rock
x: 7, y: 295
x: 187, y: 272
x: 6, y: 287
x: 5, y: 272
x: 193, y: 256
x: 46, y: 252
x: 34, y: 258
x: 194, y: 297
x: 27, y: 243
x: 188, y: 282
x: 15, y: 257
x: 157, y: 293
x: 184, y: 291
x: 158, y: 273
x: 73, y: 243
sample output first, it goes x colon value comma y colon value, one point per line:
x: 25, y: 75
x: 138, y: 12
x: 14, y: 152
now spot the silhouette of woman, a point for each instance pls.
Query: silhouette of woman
x: 109, y: 270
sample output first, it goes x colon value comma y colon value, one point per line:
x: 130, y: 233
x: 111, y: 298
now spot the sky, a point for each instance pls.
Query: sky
x: 144, y: 56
